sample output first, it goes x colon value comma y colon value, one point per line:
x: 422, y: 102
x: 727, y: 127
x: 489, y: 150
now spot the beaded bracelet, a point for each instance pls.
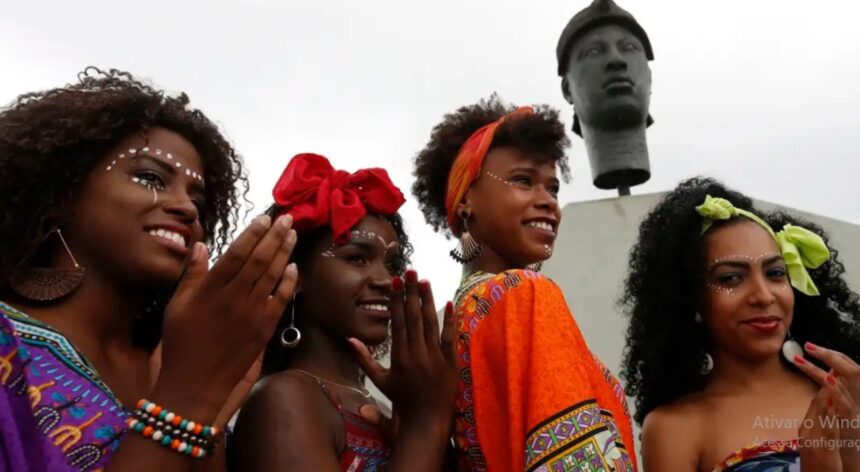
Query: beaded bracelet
x: 169, y: 417
x: 171, y: 430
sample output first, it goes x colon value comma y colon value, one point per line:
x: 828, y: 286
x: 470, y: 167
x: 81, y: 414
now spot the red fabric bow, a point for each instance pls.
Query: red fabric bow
x: 317, y: 195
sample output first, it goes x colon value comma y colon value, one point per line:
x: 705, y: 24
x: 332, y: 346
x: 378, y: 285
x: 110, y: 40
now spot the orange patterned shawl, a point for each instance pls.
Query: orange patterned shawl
x: 532, y: 396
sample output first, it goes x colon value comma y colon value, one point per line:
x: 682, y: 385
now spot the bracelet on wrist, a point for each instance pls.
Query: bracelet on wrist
x: 171, y: 430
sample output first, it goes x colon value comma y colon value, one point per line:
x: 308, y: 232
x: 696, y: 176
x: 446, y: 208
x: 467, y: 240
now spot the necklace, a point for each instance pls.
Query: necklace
x: 361, y: 391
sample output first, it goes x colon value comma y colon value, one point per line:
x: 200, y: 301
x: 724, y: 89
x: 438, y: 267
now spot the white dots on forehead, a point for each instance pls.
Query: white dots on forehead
x: 158, y: 153
x: 367, y: 236
x: 743, y: 257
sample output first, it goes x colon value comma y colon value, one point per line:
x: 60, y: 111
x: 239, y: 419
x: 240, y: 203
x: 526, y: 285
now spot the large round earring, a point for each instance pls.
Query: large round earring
x: 791, y: 349
x: 291, y: 335
x: 468, y: 249
x: 48, y: 284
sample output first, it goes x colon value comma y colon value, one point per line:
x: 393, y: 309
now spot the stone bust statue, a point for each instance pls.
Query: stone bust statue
x: 603, y: 56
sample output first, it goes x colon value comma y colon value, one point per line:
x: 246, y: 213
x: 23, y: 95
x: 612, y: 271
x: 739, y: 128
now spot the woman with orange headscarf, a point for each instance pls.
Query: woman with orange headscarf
x: 532, y: 396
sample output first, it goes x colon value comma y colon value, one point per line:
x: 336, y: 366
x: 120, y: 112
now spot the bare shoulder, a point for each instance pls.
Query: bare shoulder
x: 671, y: 436
x: 285, y: 413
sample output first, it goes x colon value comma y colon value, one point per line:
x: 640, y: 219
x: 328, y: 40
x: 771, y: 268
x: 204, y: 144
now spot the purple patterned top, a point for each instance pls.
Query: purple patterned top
x: 55, y: 412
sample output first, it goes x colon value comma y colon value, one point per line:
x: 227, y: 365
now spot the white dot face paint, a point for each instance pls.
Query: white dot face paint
x: 371, y: 238
x: 740, y: 257
x: 157, y: 153
x: 720, y: 289
x: 752, y: 260
x: 494, y: 176
x: 363, y: 236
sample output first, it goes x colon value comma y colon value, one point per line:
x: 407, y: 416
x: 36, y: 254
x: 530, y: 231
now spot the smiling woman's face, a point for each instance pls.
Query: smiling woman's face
x: 514, y: 206
x: 748, y: 302
x: 136, y: 215
x: 345, y: 288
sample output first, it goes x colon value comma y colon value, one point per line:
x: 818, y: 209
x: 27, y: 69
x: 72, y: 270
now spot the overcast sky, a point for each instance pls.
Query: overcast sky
x: 762, y: 94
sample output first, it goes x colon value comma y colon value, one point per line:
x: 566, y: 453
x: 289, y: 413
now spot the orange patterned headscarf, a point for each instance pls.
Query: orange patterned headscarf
x: 467, y: 165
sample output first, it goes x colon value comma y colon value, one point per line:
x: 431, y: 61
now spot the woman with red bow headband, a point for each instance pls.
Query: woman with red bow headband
x: 351, y: 253
x: 532, y: 395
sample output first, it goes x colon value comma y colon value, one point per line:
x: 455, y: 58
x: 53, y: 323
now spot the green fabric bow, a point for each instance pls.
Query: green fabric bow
x: 800, y: 248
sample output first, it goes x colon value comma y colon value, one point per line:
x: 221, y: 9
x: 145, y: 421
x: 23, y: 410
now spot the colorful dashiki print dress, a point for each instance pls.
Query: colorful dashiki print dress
x: 532, y: 396
x: 774, y: 456
x: 55, y: 412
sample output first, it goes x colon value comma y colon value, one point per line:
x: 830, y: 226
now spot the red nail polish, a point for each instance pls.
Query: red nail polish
x: 424, y: 285
x: 396, y: 284
x: 799, y: 360
x: 829, y: 402
x: 449, y: 308
x: 411, y: 276
x: 831, y: 379
x: 810, y: 347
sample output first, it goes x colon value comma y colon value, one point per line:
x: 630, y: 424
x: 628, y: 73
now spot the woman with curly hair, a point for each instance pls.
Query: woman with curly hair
x: 352, y: 254
x: 721, y: 301
x: 532, y: 396
x: 119, y: 348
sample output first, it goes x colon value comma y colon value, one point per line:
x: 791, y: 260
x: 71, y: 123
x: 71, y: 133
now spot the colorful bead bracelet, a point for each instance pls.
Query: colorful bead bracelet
x: 171, y: 430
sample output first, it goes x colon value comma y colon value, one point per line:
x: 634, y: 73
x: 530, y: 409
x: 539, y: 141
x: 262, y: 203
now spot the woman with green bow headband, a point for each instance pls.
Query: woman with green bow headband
x: 744, y: 340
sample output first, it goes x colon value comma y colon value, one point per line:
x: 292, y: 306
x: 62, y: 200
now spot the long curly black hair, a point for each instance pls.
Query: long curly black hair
x: 50, y: 140
x: 541, y: 134
x: 276, y: 358
x: 665, y: 282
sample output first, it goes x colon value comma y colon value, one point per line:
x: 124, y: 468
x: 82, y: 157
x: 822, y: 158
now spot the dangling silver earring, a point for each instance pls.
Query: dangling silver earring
x: 698, y: 317
x: 468, y: 249
x: 707, y: 364
x: 791, y: 349
x: 291, y: 335
x: 48, y: 284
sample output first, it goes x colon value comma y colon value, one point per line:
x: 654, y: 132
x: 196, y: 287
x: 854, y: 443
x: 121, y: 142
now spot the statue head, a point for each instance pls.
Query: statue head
x: 603, y: 56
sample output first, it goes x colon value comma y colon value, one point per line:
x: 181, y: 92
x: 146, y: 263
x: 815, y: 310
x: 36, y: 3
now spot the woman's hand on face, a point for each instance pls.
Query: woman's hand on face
x: 422, y: 381
x: 219, y: 320
x: 842, y: 384
x: 818, y: 433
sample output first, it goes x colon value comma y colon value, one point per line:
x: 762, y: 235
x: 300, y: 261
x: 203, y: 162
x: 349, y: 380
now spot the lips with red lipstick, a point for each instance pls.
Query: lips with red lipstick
x: 764, y: 324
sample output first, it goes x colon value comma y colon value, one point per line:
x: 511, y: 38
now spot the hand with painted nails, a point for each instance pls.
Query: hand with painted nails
x: 219, y: 320
x: 841, y: 385
x: 422, y: 380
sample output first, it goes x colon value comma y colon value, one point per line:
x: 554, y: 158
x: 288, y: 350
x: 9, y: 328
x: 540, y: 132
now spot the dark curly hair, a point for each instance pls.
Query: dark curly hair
x: 276, y: 358
x: 664, y: 285
x: 50, y: 140
x: 541, y: 134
